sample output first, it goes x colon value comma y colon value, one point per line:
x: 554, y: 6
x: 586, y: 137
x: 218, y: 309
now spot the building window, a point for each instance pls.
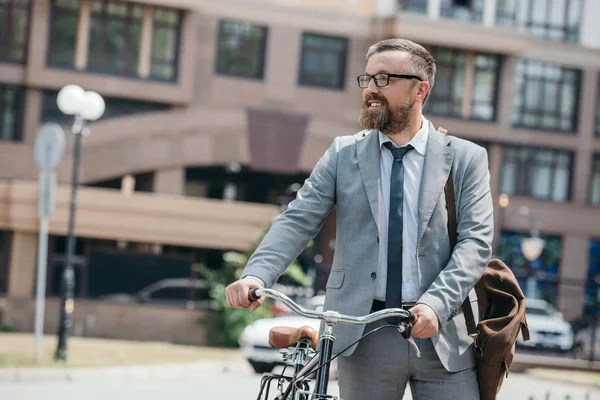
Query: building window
x: 448, y: 94
x: 5, y: 243
x: 546, y: 96
x: 323, y: 61
x: 415, y: 6
x: 63, y: 33
x: 539, y: 279
x: 539, y: 173
x: 114, y: 107
x: 592, y: 289
x: 12, y: 106
x: 598, y: 110
x: 595, y: 184
x: 165, y: 44
x: 464, y: 10
x: 14, y: 21
x: 448, y: 90
x: 115, y: 32
x: 241, y: 49
x: 547, y: 19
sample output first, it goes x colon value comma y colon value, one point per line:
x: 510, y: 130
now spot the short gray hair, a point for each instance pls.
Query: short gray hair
x: 421, y: 62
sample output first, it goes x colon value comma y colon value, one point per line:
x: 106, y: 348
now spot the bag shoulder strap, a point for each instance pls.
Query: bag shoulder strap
x: 453, y: 233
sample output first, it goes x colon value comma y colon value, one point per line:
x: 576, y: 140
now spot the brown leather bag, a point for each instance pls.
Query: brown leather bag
x: 502, y: 315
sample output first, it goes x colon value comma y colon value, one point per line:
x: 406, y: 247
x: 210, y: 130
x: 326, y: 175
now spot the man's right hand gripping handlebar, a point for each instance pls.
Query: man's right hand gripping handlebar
x: 237, y: 294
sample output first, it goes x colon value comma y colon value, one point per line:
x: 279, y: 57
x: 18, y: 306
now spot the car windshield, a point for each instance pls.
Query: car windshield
x: 538, y: 311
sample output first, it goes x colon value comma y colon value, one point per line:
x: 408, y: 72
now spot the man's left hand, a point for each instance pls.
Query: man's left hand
x: 426, y: 324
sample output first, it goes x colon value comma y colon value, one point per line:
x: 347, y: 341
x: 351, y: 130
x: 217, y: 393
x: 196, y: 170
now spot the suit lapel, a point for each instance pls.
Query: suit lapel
x: 368, y: 153
x: 436, y: 168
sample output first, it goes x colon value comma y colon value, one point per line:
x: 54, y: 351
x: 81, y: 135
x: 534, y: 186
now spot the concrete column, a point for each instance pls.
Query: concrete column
x: 585, y: 136
x: 286, y: 42
x: 82, y: 41
x: 506, y: 94
x: 33, y: 109
x: 573, y: 270
x: 434, y: 8
x: 489, y: 13
x: 38, y: 49
x: 146, y: 43
x: 169, y: 181
x: 21, y: 269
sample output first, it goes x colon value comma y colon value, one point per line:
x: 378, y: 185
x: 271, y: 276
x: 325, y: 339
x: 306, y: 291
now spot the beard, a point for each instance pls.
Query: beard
x: 385, y: 118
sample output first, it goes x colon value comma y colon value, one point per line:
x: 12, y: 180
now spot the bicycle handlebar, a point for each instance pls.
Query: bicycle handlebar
x: 332, y: 317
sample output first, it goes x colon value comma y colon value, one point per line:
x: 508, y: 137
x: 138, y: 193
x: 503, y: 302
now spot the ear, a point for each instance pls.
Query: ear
x: 423, y: 89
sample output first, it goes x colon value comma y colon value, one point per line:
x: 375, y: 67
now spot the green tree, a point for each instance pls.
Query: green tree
x: 224, y: 325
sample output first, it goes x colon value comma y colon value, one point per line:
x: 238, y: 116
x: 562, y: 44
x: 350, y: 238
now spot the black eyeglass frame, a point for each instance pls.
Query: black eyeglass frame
x: 403, y: 76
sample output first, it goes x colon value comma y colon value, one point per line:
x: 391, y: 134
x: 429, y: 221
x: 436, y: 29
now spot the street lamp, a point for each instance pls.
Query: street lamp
x: 84, y: 106
x: 531, y: 247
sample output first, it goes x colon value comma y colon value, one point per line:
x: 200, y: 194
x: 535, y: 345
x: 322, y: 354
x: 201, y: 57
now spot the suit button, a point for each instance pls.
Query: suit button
x: 377, y: 239
x: 373, y: 275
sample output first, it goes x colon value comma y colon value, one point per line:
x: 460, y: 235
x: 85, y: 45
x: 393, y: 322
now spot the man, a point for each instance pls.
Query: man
x: 392, y: 244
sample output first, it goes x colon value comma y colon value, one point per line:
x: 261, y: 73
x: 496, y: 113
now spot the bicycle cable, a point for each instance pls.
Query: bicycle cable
x: 316, y: 368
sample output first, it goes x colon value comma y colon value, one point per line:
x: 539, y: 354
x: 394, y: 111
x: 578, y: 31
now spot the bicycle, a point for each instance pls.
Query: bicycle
x: 312, y: 355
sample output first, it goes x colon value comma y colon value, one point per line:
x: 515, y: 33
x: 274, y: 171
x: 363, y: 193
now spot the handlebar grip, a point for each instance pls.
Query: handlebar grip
x: 252, y: 296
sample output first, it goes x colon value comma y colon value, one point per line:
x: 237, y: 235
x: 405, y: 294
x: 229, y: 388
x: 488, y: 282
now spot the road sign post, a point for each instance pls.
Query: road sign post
x: 48, y: 150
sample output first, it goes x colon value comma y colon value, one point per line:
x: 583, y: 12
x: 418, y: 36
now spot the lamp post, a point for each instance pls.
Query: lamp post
x: 531, y: 248
x: 85, y: 106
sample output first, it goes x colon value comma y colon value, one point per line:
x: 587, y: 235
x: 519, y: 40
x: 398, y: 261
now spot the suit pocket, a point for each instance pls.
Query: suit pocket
x: 336, y: 279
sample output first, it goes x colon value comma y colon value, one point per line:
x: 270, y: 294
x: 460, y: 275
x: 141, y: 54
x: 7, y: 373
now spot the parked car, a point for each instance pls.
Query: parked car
x: 582, y: 348
x: 254, y: 341
x: 173, y: 292
x: 547, y: 327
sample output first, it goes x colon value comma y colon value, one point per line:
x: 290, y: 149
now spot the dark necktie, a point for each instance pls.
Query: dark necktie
x: 393, y: 293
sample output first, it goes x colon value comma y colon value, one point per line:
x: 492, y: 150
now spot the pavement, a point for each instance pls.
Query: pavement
x: 220, y: 379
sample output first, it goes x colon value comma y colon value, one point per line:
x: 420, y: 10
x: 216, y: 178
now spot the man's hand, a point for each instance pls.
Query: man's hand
x: 426, y: 322
x: 237, y: 294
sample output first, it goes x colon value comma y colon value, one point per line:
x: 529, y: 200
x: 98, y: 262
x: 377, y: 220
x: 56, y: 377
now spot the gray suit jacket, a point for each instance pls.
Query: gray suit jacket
x: 347, y: 176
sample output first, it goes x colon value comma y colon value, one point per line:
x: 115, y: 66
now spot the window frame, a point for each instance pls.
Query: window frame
x: 128, y: 20
x: 5, y: 250
x: 342, y: 68
x: 19, y: 115
x: 508, y: 17
x: 496, y: 96
x: 413, y: 6
x: 51, y: 26
x: 595, y: 168
x: 538, y: 111
x: 523, y: 169
x: 455, y: 66
x: 178, y: 35
x: 9, y: 5
x: 262, y: 43
x: 448, y: 10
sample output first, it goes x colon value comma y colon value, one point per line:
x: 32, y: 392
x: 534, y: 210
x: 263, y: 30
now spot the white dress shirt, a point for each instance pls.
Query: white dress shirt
x: 413, y: 168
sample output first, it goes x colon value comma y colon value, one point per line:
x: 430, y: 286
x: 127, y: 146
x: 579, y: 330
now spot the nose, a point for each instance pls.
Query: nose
x: 370, y: 89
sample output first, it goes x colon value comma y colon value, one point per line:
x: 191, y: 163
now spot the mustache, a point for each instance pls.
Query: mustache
x: 375, y: 98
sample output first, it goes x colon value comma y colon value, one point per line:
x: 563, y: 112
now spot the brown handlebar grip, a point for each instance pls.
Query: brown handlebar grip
x: 252, y: 295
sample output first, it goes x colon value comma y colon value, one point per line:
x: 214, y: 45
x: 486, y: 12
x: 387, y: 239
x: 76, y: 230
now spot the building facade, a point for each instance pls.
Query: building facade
x: 216, y: 111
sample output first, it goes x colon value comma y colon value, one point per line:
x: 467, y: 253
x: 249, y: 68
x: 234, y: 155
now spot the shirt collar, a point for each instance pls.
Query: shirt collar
x: 419, y: 141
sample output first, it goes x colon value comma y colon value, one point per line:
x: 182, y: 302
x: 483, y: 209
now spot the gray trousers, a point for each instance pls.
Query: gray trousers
x: 384, y: 363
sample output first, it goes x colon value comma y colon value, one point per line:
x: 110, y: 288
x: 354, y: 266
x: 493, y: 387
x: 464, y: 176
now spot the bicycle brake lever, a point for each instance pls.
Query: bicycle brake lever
x: 414, y: 345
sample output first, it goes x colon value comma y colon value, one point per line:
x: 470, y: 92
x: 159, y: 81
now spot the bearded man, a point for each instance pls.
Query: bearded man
x: 392, y: 244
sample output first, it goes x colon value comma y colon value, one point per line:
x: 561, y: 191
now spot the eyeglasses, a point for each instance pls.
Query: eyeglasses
x: 381, y: 80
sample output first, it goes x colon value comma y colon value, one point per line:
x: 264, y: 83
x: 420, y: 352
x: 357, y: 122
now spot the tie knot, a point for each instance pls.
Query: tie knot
x: 398, y: 152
